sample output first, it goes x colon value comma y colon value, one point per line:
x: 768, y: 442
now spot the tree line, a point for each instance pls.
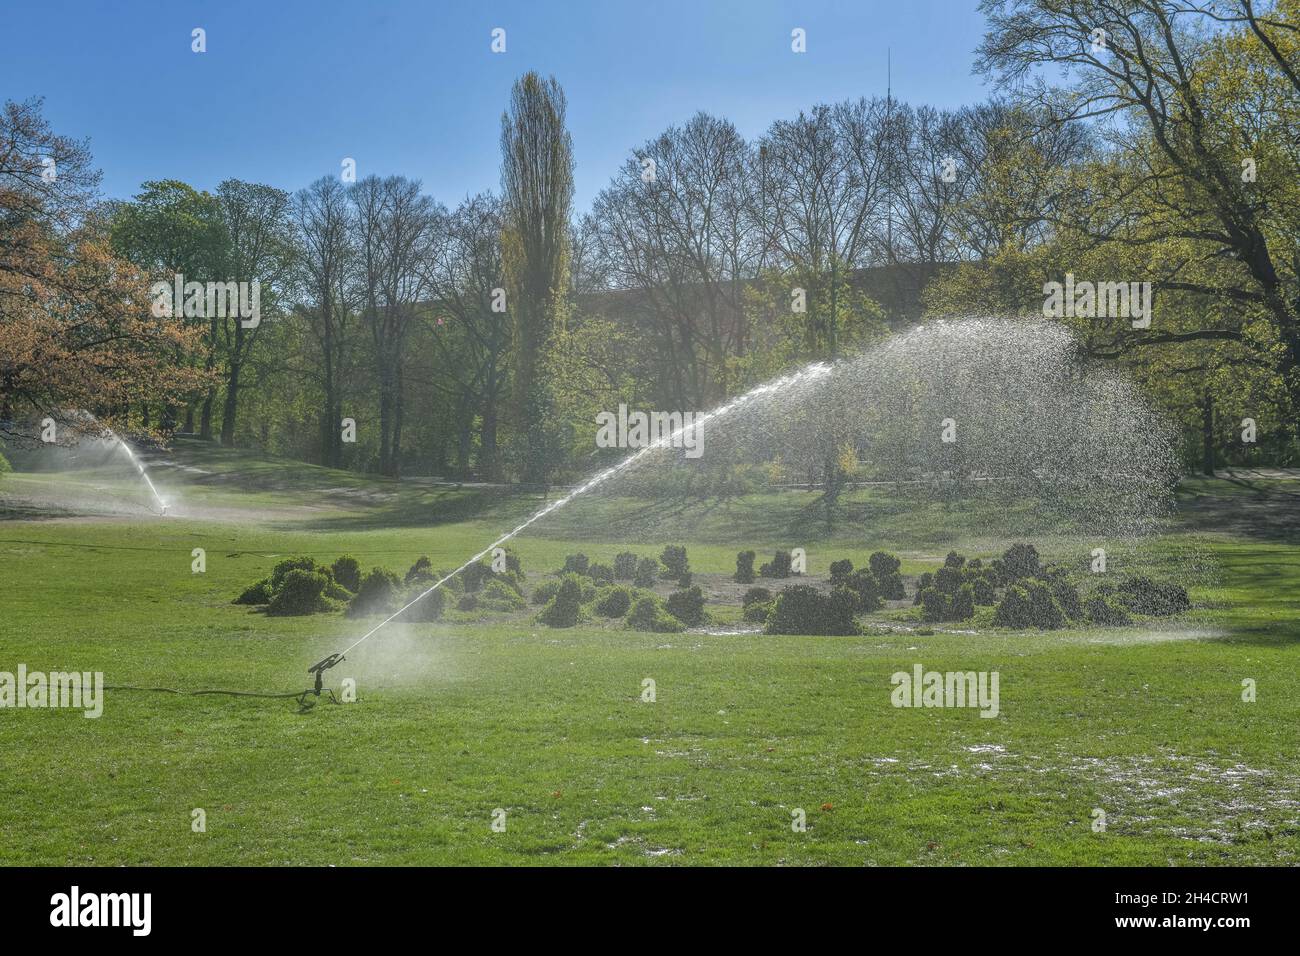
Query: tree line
x: 1143, y: 140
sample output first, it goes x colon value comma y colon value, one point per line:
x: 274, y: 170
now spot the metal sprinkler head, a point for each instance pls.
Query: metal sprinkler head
x: 320, y: 667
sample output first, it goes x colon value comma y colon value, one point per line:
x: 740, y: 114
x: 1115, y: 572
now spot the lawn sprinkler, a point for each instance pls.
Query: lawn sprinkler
x: 320, y: 667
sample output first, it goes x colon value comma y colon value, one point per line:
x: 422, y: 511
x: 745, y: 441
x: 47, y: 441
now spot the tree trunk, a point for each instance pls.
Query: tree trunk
x: 395, y: 453
x: 385, y: 422
x: 1207, y: 433
x: 327, y: 434
x: 230, y: 408
x: 205, y: 418
x: 833, y: 482
x: 464, y: 435
x: 487, y: 454
x: 331, y: 418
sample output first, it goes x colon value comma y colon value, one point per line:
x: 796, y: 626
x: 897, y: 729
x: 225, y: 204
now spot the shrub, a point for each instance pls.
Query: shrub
x: 649, y: 614
x: 954, y: 561
x: 1144, y: 596
x: 301, y: 592
x: 468, y: 602
x: 421, y: 570
x: 840, y: 571
x: 685, y: 580
x: 926, y: 581
x: 347, y: 572
x: 647, y: 571
x: 575, y: 564
x: 756, y: 596
x: 885, y: 567
x: 545, y: 591
x: 613, y: 601
x: 1018, y: 562
x: 1047, y: 613
x: 1107, y: 614
x: 963, y: 604
x: 802, y: 609
x: 259, y: 593
x: 757, y: 613
x: 687, y: 606
x: 778, y: 567
x: 1015, y: 608
x: 601, y: 573
x: 500, y: 596
x: 983, y: 590
x: 883, y: 564
x: 624, y: 566
x: 1066, y: 596
x: 336, y: 592
x: 936, y: 605
x: 5, y: 467
x: 376, y: 592
x: 565, y: 608
x: 475, y: 576
x: 744, y: 567
x: 948, y: 579
x: 674, y: 561
x: 281, y: 570
x: 428, y: 609
x: 867, y: 589
x: 1029, y: 604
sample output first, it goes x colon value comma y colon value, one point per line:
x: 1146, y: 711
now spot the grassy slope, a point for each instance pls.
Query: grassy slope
x: 549, y: 725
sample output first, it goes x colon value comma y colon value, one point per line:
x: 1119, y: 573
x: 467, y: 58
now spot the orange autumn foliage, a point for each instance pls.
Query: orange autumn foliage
x: 76, y: 330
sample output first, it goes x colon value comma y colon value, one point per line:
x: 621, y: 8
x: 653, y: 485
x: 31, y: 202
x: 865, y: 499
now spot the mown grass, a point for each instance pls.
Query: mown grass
x: 455, y: 721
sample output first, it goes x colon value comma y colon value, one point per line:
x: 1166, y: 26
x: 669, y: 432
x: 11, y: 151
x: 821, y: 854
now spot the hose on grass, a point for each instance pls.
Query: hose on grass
x: 301, y: 696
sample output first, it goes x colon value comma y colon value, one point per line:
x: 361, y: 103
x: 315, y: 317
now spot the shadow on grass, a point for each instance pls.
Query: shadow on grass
x: 1261, y: 592
x: 426, y: 508
x: 1264, y: 513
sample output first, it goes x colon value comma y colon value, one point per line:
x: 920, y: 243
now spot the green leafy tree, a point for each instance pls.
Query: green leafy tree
x: 537, y: 193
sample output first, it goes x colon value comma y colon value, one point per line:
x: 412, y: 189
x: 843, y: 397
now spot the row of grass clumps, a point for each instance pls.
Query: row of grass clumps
x: 572, y: 600
x: 781, y: 566
x: 587, y: 589
x: 1019, y: 590
x: 803, y: 609
x: 1026, y: 593
x: 642, y: 571
x: 301, y: 585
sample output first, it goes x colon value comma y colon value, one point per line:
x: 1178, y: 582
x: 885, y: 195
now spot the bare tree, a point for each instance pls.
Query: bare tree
x: 325, y: 222
x: 395, y: 232
x: 472, y: 332
x: 824, y: 181
x: 675, y: 228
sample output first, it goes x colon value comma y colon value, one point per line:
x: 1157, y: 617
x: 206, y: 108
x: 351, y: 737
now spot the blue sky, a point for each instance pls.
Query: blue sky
x: 287, y: 89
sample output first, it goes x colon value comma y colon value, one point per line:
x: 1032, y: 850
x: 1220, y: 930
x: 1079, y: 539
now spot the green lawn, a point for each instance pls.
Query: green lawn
x: 456, y: 720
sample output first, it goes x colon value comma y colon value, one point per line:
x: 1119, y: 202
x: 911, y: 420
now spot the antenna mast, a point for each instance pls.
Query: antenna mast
x: 889, y: 134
